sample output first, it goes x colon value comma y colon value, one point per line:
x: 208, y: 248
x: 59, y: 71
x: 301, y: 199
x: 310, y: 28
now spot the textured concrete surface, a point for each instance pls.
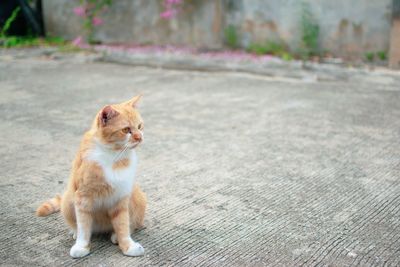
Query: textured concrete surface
x: 240, y: 170
x: 333, y: 69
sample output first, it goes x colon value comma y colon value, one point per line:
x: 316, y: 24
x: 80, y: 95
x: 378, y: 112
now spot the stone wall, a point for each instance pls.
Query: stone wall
x: 347, y: 28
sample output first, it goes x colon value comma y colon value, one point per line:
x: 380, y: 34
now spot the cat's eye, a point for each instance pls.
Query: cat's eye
x: 126, y: 130
x: 140, y: 126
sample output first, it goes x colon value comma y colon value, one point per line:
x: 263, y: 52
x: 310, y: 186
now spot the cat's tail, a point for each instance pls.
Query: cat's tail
x: 49, y: 207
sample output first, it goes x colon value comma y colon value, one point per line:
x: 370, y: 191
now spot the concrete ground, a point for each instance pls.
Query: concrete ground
x: 239, y: 170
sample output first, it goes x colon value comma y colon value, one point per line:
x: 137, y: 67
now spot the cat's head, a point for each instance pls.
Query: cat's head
x: 120, y: 126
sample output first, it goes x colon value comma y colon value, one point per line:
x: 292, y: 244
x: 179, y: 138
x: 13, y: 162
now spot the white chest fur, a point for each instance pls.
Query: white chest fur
x: 121, y: 179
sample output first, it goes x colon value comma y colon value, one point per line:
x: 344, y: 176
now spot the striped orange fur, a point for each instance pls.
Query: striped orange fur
x: 49, y: 207
x: 101, y: 195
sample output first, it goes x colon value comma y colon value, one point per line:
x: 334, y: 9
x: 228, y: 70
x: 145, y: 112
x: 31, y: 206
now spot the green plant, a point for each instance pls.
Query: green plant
x: 278, y: 49
x: 9, y: 22
x: 382, y: 55
x: 269, y: 47
x: 53, y: 40
x: 286, y: 56
x: 231, y: 36
x: 17, y: 41
x: 256, y: 48
x: 369, y: 56
x: 23, y: 41
x: 309, y: 32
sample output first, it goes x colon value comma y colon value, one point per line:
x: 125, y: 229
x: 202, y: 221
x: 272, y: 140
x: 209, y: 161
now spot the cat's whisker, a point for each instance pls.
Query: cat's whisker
x: 121, y: 153
x: 117, y: 157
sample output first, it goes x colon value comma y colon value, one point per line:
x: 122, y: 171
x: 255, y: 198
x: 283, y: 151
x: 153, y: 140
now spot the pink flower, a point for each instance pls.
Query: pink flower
x: 171, y: 8
x: 172, y: 2
x: 78, y: 41
x: 80, y: 11
x: 96, y: 21
x: 167, y: 14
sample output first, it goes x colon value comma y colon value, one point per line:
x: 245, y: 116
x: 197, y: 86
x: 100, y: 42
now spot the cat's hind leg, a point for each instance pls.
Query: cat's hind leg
x: 137, y: 208
x: 72, y: 232
x: 113, y: 238
x: 68, y: 211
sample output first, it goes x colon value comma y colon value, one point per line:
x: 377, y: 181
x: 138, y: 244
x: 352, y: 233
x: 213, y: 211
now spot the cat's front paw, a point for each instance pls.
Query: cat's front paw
x: 134, y: 250
x: 78, y: 251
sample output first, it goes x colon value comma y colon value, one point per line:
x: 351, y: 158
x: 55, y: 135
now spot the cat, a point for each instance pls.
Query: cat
x: 101, y: 195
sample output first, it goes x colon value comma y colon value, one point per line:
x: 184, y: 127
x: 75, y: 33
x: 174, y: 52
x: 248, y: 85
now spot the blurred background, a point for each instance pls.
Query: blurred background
x: 272, y: 127
x: 354, y: 31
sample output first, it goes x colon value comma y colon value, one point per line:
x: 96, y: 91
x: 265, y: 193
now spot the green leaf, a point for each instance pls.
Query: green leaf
x: 9, y: 21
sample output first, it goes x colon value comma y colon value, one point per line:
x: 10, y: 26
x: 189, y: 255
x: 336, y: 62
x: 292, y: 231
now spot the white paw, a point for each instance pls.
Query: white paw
x: 134, y: 250
x: 114, y: 239
x: 77, y: 251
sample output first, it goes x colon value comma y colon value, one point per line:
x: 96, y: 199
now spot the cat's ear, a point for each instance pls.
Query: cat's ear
x: 134, y: 101
x: 106, y: 114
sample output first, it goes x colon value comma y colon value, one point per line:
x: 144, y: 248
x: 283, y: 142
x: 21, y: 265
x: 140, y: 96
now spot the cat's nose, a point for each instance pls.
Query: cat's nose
x: 137, y: 137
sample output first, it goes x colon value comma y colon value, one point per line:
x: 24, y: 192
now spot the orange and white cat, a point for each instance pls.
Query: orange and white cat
x: 101, y: 195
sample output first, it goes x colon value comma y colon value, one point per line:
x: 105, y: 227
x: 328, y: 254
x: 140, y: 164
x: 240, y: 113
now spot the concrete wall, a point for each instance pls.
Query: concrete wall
x: 347, y: 28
